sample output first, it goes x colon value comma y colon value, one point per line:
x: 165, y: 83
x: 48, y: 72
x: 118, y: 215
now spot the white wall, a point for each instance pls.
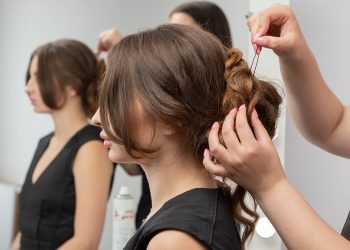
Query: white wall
x: 8, y: 195
x: 24, y: 25
x: 322, y: 178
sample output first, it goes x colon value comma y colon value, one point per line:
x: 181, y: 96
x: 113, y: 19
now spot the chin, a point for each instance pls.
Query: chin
x: 119, y: 156
x: 36, y: 110
x: 41, y: 110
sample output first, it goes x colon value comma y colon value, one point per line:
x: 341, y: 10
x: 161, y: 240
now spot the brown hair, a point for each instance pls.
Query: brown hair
x: 210, y: 17
x: 64, y: 63
x: 179, y: 76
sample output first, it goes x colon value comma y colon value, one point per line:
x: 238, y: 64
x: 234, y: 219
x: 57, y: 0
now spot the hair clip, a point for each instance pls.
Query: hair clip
x: 256, y: 63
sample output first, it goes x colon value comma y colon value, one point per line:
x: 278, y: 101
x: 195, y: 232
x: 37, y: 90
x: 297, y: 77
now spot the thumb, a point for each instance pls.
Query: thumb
x: 277, y: 44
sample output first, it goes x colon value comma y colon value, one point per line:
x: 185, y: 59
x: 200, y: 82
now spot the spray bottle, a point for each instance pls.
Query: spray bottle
x: 123, y: 218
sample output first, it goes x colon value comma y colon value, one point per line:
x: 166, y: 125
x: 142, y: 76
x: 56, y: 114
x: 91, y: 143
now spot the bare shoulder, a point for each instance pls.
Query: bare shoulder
x: 92, y: 155
x: 174, y: 240
x: 91, y: 149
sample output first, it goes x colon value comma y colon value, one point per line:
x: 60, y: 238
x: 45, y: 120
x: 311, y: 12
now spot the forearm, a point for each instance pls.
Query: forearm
x: 16, y: 244
x: 296, y: 222
x: 314, y: 108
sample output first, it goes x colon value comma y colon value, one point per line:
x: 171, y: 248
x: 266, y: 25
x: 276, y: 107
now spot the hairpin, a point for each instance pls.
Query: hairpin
x: 256, y: 63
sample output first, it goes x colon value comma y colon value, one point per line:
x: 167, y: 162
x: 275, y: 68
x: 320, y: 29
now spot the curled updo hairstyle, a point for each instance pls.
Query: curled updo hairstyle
x: 66, y: 63
x: 185, y: 78
x: 210, y: 17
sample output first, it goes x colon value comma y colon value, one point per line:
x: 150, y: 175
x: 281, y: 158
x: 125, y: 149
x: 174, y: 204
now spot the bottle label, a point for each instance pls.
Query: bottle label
x: 123, y: 222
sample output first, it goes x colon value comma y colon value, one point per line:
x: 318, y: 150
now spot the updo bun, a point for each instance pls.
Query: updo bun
x: 244, y: 88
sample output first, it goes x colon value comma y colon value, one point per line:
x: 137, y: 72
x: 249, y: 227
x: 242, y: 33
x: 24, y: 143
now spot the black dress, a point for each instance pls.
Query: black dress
x: 204, y: 213
x: 47, y: 207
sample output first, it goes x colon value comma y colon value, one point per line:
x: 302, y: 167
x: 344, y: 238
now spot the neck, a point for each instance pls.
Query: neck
x: 175, y: 174
x: 67, y: 121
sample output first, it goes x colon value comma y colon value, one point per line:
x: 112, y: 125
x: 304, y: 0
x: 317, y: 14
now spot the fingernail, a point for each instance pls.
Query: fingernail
x: 215, y: 125
x: 258, y: 51
x: 255, y: 47
x: 242, y: 107
x: 206, y: 152
x: 261, y: 41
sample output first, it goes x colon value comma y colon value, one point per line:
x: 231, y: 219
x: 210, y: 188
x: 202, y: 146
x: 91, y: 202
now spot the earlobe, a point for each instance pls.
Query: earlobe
x: 70, y: 91
x: 168, y: 130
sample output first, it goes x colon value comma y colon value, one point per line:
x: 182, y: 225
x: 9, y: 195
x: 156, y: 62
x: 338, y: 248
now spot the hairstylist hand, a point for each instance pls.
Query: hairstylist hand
x: 107, y: 39
x: 251, y: 161
x: 277, y: 28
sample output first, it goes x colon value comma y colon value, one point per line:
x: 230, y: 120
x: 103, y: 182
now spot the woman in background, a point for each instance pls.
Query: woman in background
x: 64, y: 196
x: 162, y: 91
x: 206, y: 15
x: 202, y: 14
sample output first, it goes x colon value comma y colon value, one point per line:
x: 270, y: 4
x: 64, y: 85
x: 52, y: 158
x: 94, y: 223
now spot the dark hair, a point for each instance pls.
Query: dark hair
x: 183, y: 77
x: 210, y: 17
x: 64, y: 63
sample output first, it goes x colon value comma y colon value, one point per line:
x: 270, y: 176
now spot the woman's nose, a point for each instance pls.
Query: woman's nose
x: 96, y: 120
x: 27, y: 88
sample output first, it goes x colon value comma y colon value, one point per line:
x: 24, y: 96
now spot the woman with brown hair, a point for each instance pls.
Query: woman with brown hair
x: 64, y: 196
x: 162, y: 91
x: 206, y: 15
x: 203, y: 14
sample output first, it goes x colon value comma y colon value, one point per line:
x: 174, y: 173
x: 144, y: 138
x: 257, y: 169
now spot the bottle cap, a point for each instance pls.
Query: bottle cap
x: 124, y: 190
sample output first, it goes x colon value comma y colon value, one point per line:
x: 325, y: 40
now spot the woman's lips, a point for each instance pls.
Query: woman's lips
x: 107, y: 143
x: 32, y: 101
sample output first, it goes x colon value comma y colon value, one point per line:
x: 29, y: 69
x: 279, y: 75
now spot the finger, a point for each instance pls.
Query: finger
x: 259, y: 129
x: 244, y: 132
x: 228, y: 134
x: 269, y: 42
x: 261, y: 21
x: 216, y: 149
x: 100, y: 44
x: 251, y: 22
x: 214, y: 169
x: 259, y: 25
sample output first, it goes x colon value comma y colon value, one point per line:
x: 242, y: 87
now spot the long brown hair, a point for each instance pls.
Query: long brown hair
x: 183, y: 77
x: 64, y: 63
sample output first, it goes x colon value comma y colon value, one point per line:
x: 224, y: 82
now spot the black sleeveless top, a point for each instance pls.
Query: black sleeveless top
x: 204, y: 213
x: 346, y: 229
x: 145, y: 202
x: 47, y: 207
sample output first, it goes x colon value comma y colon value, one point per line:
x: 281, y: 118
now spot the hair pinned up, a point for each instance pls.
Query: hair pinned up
x: 244, y: 88
x: 185, y: 78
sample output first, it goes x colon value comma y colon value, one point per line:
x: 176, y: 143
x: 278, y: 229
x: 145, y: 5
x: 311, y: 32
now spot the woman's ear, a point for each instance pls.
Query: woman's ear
x: 70, y: 91
x: 168, y: 130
